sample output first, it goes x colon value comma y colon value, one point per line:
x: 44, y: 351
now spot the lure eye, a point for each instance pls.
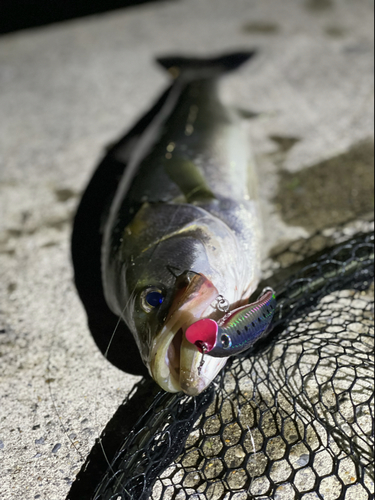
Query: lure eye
x: 151, y: 298
x: 226, y: 341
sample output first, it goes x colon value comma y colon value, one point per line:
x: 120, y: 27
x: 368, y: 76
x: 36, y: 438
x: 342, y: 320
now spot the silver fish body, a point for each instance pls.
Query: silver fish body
x: 183, y: 226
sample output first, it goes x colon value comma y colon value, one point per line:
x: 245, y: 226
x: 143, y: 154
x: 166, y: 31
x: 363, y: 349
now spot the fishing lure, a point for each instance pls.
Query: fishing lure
x: 237, y: 331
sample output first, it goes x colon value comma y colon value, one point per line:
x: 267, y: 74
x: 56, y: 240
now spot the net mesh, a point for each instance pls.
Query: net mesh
x: 290, y: 419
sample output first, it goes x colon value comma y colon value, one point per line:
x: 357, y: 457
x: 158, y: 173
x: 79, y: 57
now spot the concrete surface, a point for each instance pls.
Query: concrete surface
x: 65, y: 92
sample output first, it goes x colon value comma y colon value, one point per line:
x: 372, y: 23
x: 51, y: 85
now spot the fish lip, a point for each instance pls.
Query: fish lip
x: 191, y: 303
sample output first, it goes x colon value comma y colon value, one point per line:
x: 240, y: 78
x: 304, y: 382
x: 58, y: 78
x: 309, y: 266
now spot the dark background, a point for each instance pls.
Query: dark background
x: 20, y: 14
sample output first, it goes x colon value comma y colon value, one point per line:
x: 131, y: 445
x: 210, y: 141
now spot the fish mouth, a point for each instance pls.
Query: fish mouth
x: 175, y: 363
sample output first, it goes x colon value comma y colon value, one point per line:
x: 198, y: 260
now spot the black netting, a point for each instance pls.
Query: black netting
x: 290, y: 419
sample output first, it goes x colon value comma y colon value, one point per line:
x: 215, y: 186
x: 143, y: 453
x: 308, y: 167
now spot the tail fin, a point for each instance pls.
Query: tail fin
x: 200, y: 68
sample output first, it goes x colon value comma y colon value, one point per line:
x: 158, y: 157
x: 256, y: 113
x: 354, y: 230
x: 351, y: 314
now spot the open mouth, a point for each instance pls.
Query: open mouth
x: 176, y: 364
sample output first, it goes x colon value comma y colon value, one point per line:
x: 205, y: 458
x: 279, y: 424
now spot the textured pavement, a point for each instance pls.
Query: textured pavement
x: 69, y: 89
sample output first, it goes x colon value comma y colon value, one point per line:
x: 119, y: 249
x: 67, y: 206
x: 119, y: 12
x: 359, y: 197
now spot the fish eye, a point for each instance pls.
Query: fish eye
x: 151, y: 298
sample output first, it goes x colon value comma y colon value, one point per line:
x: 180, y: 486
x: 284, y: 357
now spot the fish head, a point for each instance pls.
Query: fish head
x: 165, y: 301
x: 174, y: 269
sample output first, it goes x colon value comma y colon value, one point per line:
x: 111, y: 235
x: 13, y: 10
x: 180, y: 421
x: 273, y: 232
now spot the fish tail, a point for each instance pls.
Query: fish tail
x: 192, y: 68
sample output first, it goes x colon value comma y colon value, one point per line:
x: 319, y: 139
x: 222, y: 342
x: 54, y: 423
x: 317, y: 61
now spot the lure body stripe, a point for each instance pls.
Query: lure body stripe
x: 237, y: 331
x: 243, y: 327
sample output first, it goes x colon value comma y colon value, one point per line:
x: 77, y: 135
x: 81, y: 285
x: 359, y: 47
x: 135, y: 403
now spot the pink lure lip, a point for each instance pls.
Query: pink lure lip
x: 203, y: 331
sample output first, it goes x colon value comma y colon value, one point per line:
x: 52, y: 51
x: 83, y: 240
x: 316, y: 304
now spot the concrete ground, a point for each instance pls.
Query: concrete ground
x: 66, y: 91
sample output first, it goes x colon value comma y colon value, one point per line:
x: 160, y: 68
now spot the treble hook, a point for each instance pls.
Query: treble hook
x: 204, y: 348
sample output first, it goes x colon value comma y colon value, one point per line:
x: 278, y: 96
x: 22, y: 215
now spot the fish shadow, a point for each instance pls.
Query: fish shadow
x: 112, y: 336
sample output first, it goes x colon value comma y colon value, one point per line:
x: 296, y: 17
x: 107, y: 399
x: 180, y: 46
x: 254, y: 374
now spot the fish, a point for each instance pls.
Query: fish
x: 183, y: 231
